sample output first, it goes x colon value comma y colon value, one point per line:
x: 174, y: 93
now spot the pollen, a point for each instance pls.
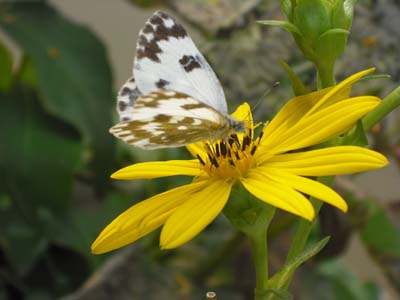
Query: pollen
x: 230, y: 158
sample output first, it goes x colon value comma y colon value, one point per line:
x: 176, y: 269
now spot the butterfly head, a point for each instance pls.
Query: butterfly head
x: 236, y: 125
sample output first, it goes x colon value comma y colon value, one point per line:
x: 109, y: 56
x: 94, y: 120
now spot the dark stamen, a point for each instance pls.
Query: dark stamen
x: 223, y: 149
x: 244, y: 146
x: 200, y: 159
x: 231, y: 141
x: 229, y: 152
x: 253, y: 150
x: 213, y: 160
x: 237, y: 155
x: 246, y: 142
x: 217, y: 150
x: 209, y: 148
x: 260, y: 136
x: 235, y: 137
x: 231, y: 162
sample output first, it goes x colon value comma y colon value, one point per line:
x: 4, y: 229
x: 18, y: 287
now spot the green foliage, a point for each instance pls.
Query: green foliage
x: 55, y: 110
x: 6, y: 68
x: 297, y: 85
x: 344, y: 285
x: 280, y: 280
x: 381, y: 234
x: 67, y: 59
x: 37, y: 165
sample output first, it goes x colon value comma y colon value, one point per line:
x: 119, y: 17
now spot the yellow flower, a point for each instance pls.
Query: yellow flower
x: 270, y: 167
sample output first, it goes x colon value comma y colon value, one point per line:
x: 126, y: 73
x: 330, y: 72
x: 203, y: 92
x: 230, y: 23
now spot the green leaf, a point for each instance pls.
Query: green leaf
x: 74, y: 76
x: 79, y: 227
x: 282, y: 24
x: 37, y: 164
x: 6, y: 68
x: 346, y: 286
x: 381, y: 234
x: 373, y: 77
x: 297, y: 85
x: 356, y: 136
x: 280, y: 279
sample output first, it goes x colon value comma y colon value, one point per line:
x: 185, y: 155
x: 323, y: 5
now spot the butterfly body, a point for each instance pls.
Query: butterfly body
x: 175, y: 98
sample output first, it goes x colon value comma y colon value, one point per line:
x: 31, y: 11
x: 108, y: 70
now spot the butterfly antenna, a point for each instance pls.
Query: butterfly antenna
x: 277, y: 83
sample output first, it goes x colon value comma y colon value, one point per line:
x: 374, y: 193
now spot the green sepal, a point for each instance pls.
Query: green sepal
x: 282, y: 24
x: 356, y: 136
x: 297, y: 85
x: 334, y: 31
x: 287, y: 8
x: 247, y: 213
x: 312, y: 18
x: 330, y: 44
x: 280, y: 279
x: 342, y: 13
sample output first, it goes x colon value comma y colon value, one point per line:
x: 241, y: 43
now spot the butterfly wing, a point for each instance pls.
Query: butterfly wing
x: 165, y: 119
x: 126, y: 98
x: 166, y: 58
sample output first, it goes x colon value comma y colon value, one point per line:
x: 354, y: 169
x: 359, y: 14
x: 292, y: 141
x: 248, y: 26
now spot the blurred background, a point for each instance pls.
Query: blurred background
x: 61, y: 64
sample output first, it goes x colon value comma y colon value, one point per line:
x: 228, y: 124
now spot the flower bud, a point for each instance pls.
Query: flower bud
x: 320, y: 29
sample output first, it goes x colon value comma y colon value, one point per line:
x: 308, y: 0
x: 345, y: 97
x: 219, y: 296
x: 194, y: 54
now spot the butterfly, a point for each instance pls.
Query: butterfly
x: 174, y: 97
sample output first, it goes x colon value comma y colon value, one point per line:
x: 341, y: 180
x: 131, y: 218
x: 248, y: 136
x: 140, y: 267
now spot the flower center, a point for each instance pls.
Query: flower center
x: 232, y: 157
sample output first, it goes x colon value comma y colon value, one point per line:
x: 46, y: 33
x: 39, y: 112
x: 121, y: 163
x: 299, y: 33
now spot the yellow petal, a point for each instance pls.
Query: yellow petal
x: 292, y: 112
x: 327, y: 161
x: 322, y: 125
x: 243, y: 113
x: 277, y: 194
x: 197, y: 149
x: 340, y: 91
x: 142, y: 218
x: 197, y: 212
x: 305, y: 105
x: 156, y: 169
x: 309, y: 187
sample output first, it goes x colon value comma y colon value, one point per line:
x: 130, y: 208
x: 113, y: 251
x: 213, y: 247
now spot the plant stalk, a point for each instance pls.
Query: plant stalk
x: 258, y: 241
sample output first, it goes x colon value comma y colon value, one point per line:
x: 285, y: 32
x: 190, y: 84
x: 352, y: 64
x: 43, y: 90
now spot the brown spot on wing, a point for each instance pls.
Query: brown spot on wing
x: 189, y: 63
x: 162, y: 83
x: 161, y: 118
x: 122, y: 105
x: 193, y: 106
x: 156, y: 26
x: 125, y: 91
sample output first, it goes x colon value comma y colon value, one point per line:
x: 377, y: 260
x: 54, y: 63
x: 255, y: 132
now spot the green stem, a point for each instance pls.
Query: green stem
x: 385, y: 107
x: 304, y: 227
x: 258, y: 240
x: 252, y: 217
x: 325, y: 75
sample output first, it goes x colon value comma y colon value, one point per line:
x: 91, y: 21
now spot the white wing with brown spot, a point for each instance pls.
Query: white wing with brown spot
x: 126, y: 99
x: 168, y: 119
x: 167, y: 58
